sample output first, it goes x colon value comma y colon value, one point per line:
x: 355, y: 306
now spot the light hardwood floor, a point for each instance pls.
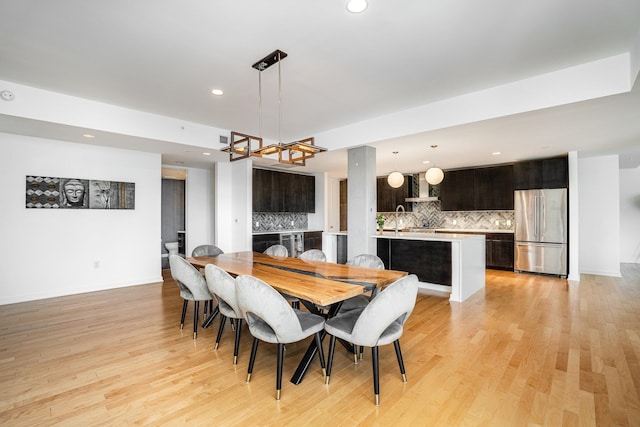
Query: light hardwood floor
x: 529, y: 350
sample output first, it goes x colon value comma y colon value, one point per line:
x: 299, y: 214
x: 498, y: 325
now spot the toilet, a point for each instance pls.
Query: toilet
x: 172, y: 247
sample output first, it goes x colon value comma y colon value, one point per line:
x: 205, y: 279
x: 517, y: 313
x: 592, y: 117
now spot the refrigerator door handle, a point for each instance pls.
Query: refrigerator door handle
x: 543, y: 217
x: 536, y: 219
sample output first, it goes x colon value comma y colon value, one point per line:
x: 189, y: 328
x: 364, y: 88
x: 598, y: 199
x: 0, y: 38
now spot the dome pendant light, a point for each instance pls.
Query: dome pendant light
x: 395, y: 179
x: 434, y: 175
x: 356, y: 6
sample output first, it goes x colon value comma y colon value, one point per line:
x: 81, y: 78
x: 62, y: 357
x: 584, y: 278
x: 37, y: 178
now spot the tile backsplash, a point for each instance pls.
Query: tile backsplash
x: 276, y: 221
x: 425, y: 214
x: 428, y: 214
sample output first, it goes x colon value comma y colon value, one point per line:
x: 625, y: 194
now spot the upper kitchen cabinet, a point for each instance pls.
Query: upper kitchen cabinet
x: 261, y: 191
x: 283, y: 192
x: 456, y: 191
x: 480, y: 189
x: 388, y: 198
x: 493, y: 188
x: 544, y: 173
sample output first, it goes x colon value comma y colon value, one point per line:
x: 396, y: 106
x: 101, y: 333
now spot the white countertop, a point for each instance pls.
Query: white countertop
x: 336, y: 233
x: 255, y: 233
x: 441, y: 237
x: 470, y: 230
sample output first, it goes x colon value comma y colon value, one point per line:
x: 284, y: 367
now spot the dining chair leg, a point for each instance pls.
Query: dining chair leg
x: 355, y: 353
x: 361, y: 352
x: 332, y: 347
x: 195, y: 319
x: 376, y: 378
x: 396, y: 344
x: 185, y: 303
x: 236, y: 345
x: 321, y: 353
x: 279, y: 370
x: 223, y: 320
x: 212, y: 316
x: 252, y: 358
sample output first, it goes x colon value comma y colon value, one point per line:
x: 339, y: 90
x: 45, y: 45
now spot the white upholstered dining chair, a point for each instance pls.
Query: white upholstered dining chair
x: 379, y: 323
x: 313, y: 255
x: 277, y: 250
x: 223, y: 286
x: 206, y: 250
x: 193, y: 287
x: 271, y: 319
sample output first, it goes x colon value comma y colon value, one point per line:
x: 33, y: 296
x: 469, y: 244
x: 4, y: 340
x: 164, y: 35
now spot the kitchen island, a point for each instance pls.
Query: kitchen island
x: 446, y: 262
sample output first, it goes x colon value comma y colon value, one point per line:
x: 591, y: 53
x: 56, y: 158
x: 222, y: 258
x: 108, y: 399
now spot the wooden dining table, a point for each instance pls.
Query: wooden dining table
x: 315, y: 283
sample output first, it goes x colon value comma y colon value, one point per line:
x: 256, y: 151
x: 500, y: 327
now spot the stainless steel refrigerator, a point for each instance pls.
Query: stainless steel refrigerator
x: 541, y: 231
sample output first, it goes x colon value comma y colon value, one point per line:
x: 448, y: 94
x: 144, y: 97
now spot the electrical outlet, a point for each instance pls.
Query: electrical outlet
x: 291, y: 222
x: 257, y: 224
x: 96, y: 264
x: 454, y: 222
x: 508, y: 223
x: 497, y: 222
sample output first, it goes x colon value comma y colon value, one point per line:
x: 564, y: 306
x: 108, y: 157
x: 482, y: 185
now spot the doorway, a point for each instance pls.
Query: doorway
x: 172, y: 215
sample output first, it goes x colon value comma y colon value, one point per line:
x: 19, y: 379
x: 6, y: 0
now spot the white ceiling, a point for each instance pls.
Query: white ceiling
x: 164, y: 57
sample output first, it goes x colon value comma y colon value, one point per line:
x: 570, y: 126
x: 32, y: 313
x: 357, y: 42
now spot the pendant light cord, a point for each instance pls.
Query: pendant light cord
x: 279, y: 100
x: 260, y: 103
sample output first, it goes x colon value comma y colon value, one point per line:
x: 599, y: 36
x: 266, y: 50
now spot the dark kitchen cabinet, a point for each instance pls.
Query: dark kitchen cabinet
x: 263, y: 200
x: 344, y: 197
x: 457, y: 190
x: 312, y: 240
x: 543, y: 173
x: 308, y: 199
x: 499, y: 251
x: 342, y: 249
x: 388, y: 198
x: 429, y: 260
x: 480, y: 189
x: 493, y: 188
x: 283, y: 192
x: 262, y: 241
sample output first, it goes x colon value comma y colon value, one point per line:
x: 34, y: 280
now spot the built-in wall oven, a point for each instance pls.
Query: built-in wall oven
x: 294, y: 242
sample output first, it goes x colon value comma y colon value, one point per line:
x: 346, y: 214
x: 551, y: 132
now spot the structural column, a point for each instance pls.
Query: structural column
x: 361, y: 188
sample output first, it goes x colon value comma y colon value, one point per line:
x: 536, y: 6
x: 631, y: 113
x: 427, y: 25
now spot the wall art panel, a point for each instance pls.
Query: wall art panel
x: 44, y: 192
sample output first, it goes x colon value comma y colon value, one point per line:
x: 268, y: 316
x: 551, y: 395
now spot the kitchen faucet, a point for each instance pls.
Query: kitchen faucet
x: 403, y: 211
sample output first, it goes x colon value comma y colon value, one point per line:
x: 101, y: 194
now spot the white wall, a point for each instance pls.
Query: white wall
x: 574, y: 218
x: 233, y: 205
x: 199, y: 214
x: 47, y: 252
x: 630, y: 215
x: 599, y: 207
x: 333, y: 205
x: 316, y: 220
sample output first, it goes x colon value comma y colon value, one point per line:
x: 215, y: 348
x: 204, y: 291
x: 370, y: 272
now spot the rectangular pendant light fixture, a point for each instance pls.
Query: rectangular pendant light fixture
x: 242, y: 146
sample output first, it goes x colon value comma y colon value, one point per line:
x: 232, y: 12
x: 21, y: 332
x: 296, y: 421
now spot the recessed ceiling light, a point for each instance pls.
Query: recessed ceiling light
x: 426, y: 161
x: 217, y: 92
x: 496, y: 153
x: 356, y: 6
x: 88, y: 135
x: 206, y: 153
